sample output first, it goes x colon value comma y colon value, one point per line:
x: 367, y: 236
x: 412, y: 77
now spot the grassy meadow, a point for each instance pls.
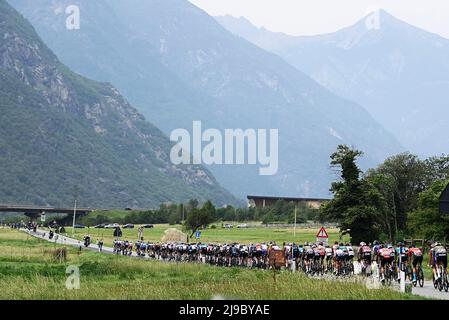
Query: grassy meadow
x: 28, y: 271
x: 218, y: 235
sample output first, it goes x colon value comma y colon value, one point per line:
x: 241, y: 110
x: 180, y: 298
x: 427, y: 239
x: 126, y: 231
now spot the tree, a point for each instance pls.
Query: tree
x: 382, y: 189
x: 209, y: 209
x: 192, y: 204
x: 353, y: 205
x: 426, y: 221
x: 409, y: 175
x: 437, y: 169
x: 345, y: 160
x: 199, y: 218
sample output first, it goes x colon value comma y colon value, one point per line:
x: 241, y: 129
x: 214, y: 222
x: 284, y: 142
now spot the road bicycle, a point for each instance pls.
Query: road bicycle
x: 442, y: 279
x: 366, y: 268
x: 388, y: 275
x: 419, y: 275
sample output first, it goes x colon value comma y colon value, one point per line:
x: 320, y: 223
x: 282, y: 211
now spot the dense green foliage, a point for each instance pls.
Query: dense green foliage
x: 353, y: 203
x: 199, y: 217
x: 397, y: 199
x: 281, y: 212
x: 426, y: 221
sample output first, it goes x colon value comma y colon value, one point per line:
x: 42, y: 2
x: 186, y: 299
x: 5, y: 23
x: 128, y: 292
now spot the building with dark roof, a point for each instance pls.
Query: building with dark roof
x: 267, y: 201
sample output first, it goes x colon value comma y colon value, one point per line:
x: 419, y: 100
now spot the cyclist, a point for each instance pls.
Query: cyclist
x: 401, y: 257
x: 300, y: 255
x: 87, y: 240
x: 392, y: 252
x: 385, y: 257
x: 341, y: 255
x: 309, y: 254
x: 350, y: 252
x: 288, y: 251
x: 334, y: 250
x: 438, y: 255
x: 295, y: 254
x: 415, y: 258
x: 130, y: 248
x: 364, y: 257
x: 100, y: 245
x: 143, y: 248
x: 322, y: 251
x: 376, y: 247
x: 329, y: 255
x: 264, y: 248
x: 316, y: 257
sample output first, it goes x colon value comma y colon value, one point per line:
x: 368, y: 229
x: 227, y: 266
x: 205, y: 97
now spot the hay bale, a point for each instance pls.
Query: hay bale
x: 174, y: 235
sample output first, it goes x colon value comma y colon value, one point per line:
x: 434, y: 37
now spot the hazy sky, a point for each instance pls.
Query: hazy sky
x: 306, y: 17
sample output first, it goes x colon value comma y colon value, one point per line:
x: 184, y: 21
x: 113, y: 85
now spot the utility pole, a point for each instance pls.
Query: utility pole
x: 294, y: 228
x: 75, y: 196
x: 74, y: 215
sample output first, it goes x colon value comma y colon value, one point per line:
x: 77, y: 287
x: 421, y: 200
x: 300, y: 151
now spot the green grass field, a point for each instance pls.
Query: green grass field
x: 218, y: 235
x: 27, y: 271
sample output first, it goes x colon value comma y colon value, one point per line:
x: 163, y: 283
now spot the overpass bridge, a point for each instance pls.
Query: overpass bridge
x: 35, y: 211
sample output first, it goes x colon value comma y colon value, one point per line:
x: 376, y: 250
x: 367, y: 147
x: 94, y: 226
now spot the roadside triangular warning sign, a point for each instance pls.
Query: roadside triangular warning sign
x: 322, y: 233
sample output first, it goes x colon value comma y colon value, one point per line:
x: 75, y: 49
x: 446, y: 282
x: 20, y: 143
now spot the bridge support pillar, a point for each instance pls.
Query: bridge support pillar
x: 32, y: 215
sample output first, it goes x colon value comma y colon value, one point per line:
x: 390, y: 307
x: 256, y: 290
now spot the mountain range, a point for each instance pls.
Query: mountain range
x: 66, y: 137
x: 398, y: 72
x: 176, y: 64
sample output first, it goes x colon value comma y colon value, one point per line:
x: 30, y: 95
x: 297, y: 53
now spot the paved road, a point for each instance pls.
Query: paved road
x: 41, y: 234
x: 427, y: 291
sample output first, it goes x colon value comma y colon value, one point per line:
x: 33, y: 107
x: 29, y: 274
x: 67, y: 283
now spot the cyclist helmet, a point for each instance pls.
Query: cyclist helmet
x: 362, y: 244
x: 437, y: 244
x: 376, y: 242
x: 390, y: 246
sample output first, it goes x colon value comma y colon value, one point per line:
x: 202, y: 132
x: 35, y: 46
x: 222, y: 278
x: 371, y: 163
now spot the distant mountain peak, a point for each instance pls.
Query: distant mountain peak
x: 382, y: 21
x: 397, y: 70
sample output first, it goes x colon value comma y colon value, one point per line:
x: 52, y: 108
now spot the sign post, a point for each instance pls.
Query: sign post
x: 294, y: 229
x: 322, y: 236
